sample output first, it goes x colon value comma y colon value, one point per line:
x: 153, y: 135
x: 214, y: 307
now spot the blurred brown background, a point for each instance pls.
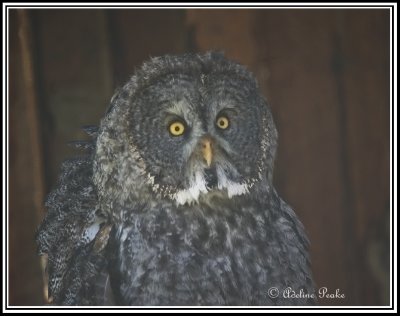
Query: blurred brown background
x: 324, y: 72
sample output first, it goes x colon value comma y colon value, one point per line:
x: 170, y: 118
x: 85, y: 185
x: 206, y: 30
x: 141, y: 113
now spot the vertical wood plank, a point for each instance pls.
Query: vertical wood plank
x: 75, y: 77
x: 225, y: 30
x: 364, y: 73
x: 365, y: 42
x: 138, y: 34
x: 26, y: 180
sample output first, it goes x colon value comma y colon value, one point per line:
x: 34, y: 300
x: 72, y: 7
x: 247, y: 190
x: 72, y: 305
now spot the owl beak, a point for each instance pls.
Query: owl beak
x: 206, y: 148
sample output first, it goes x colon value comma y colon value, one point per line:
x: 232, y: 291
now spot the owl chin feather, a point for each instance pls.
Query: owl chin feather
x: 199, y: 188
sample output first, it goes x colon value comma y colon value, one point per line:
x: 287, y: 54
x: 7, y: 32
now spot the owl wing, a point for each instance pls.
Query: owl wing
x: 74, y: 234
x: 293, y: 236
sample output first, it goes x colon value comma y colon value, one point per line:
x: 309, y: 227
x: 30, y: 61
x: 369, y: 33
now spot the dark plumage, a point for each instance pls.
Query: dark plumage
x: 173, y: 203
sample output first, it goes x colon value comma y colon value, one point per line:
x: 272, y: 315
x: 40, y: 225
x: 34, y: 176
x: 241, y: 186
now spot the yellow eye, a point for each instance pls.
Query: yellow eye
x: 223, y: 122
x: 176, y: 128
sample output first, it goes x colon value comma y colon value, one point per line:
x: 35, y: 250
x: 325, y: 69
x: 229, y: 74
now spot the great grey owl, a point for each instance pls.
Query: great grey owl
x: 173, y: 202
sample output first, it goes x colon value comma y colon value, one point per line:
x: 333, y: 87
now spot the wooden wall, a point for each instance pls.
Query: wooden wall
x: 324, y: 72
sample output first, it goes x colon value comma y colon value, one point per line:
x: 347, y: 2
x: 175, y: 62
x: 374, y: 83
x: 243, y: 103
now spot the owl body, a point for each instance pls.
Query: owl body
x: 174, y: 202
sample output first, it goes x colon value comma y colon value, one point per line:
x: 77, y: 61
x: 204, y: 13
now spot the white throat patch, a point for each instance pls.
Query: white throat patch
x: 198, y: 185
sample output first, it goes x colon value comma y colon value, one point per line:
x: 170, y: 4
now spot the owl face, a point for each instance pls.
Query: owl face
x: 193, y: 126
x: 198, y: 134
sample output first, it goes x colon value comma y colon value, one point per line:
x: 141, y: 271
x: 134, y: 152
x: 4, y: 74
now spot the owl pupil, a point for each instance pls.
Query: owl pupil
x: 177, y: 128
x: 222, y: 123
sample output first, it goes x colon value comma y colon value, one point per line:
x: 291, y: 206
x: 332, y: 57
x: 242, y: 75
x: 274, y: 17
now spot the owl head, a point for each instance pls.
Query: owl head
x: 184, y: 128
